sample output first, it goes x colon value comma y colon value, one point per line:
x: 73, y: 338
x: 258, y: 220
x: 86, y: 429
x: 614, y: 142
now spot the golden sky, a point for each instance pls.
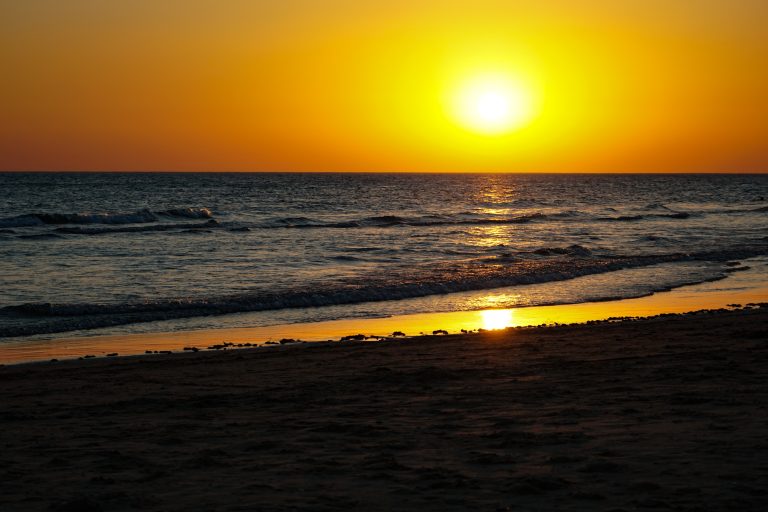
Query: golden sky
x: 332, y: 85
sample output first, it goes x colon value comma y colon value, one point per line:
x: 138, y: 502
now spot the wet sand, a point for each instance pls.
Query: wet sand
x: 660, y: 414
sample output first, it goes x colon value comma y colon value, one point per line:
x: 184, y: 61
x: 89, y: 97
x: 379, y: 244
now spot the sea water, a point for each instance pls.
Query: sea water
x: 101, y: 250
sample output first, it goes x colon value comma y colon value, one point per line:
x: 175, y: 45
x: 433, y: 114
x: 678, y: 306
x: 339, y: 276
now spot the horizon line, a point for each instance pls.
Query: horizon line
x: 165, y: 171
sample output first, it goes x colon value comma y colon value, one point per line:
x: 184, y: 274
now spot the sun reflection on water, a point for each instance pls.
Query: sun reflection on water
x: 491, y: 236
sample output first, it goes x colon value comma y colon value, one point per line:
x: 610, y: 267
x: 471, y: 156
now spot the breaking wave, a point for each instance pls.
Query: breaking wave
x: 138, y: 217
x: 159, y: 220
x: 552, y: 264
x: 384, y: 221
x: 138, y: 229
x: 630, y: 218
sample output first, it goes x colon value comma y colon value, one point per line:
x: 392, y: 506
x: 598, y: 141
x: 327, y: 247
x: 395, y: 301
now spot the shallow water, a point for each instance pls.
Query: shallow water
x: 742, y: 288
x: 80, y: 251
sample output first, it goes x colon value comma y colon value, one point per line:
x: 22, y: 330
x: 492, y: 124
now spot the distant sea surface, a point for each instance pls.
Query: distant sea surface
x: 87, y: 251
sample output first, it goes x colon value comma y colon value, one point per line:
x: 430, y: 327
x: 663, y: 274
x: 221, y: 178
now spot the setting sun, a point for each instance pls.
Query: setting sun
x: 492, y: 104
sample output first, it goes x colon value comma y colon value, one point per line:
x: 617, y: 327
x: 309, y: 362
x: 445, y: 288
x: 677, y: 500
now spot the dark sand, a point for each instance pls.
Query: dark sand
x: 661, y: 414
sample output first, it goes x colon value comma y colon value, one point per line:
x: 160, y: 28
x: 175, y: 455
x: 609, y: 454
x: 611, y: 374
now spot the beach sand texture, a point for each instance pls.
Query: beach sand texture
x: 660, y: 414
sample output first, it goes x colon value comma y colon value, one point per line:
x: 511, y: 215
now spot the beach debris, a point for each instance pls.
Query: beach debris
x: 440, y: 331
x: 220, y: 346
x: 398, y: 334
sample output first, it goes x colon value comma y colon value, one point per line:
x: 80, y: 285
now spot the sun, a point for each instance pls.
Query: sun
x: 492, y: 104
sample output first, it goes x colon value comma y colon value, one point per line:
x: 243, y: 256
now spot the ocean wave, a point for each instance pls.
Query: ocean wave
x: 727, y: 211
x: 383, y: 221
x: 759, y: 209
x: 345, y: 257
x: 567, y: 214
x: 632, y: 218
x: 139, y: 229
x: 657, y: 206
x: 37, y: 219
x: 574, y: 250
x: 462, y: 219
x: 189, y: 213
x: 138, y: 217
x: 21, y: 221
x: 377, y: 221
x: 39, y: 236
x: 454, y: 277
x: 654, y: 238
x: 522, y: 202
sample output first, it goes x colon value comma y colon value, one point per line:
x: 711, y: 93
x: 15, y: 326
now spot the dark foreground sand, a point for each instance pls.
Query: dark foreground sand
x: 660, y: 414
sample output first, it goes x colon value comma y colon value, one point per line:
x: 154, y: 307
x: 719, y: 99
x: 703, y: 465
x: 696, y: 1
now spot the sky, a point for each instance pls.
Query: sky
x: 419, y: 85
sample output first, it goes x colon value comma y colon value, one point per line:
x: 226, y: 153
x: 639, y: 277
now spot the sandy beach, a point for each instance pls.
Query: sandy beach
x: 666, y: 413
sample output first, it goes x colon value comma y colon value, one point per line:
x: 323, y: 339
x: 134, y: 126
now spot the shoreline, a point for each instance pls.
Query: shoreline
x: 663, y: 413
x: 736, y: 288
x: 362, y: 339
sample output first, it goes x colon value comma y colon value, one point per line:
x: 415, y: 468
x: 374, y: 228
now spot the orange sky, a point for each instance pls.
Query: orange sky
x: 244, y: 85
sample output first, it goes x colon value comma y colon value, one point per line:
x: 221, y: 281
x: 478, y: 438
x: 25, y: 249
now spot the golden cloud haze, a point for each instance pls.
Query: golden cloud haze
x: 236, y: 85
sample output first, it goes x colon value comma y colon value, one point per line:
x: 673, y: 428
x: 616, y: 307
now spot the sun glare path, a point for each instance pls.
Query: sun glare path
x: 496, y: 318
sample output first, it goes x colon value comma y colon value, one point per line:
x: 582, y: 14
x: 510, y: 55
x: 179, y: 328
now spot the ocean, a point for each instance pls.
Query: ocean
x: 100, y: 251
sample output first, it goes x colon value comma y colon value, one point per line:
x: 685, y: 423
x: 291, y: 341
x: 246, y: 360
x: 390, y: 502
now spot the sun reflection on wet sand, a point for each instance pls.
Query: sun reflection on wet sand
x: 496, y: 318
